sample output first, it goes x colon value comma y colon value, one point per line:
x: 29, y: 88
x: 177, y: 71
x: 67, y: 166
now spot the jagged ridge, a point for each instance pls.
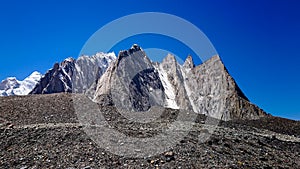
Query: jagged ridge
x: 206, y: 89
x: 133, y: 82
x: 77, y: 76
x: 11, y: 86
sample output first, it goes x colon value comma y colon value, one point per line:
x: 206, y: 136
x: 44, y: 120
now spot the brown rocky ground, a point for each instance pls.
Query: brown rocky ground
x: 42, y: 131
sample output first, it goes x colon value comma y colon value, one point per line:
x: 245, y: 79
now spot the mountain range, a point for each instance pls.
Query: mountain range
x: 134, y: 82
x: 73, y: 117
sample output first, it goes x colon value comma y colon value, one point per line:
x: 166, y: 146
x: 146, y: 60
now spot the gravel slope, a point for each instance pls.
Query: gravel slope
x: 42, y: 131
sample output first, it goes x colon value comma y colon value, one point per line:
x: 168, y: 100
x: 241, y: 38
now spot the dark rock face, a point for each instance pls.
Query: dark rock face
x: 56, y: 80
x: 141, y: 87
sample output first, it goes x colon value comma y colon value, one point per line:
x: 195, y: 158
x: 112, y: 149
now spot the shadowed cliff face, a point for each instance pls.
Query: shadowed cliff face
x: 57, y: 79
x: 132, y: 82
x: 143, y: 90
x: 206, y: 89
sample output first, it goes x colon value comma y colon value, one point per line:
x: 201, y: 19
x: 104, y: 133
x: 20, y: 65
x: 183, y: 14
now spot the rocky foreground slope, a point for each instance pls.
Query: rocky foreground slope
x: 43, y: 131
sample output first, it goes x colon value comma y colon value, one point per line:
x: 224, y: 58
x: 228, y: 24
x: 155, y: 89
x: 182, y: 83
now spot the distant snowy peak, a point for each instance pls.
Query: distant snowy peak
x: 28, y: 83
x: 11, y: 86
x: 34, y: 76
x: 8, y: 83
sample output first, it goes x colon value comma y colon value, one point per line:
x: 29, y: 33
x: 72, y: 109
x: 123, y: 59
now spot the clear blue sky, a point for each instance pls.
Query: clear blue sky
x: 258, y: 40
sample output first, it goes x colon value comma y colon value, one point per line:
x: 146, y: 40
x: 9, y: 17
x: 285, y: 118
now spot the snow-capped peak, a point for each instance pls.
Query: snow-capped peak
x: 12, y: 86
x: 11, y: 78
x: 34, y: 76
x: 8, y: 83
x: 69, y: 59
x: 110, y: 55
x: 136, y: 47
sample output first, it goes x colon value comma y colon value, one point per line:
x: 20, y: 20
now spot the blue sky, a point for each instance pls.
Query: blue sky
x: 257, y: 40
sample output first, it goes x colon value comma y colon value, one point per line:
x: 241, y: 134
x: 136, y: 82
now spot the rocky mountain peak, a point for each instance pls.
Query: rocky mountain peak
x: 55, y: 66
x: 71, y: 75
x: 135, y: 48
x: 169, y: 58
x: 132, y: 77
x: 35, y: 74
x: 169, y: 63
x: 208, y: 89
x: 69, y: 59
x: 189, y: 63
x: 56, y: 80
x: 135, y: 51
x: 216, y: 63
x: 68, y: 62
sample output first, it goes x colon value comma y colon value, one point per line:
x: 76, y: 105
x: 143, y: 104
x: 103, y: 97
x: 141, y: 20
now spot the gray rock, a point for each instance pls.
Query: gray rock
x: 56, y: 80
x: 60, y: 142
x: 88, y: 69
x: 212, y: 91
x: 131, y: 81
x: 75, y: 76
x: 205, y: 89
